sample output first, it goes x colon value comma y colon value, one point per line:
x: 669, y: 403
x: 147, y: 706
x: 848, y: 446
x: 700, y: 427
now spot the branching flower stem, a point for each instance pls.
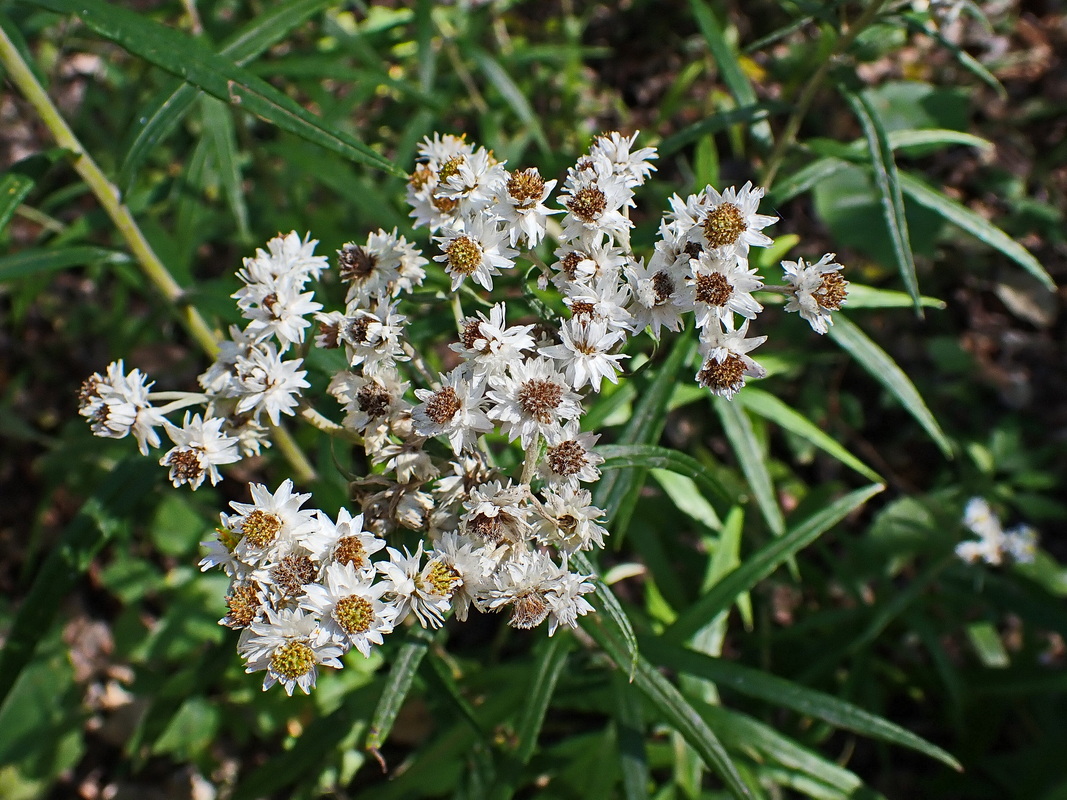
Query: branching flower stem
x: 107, y: 194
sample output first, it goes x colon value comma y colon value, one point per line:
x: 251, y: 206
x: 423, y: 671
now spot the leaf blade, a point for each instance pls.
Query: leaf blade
x: 742, y: 437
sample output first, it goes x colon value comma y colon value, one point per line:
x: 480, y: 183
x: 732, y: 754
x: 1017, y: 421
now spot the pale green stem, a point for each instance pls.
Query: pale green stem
x: 811, y: 88
x: 189, y: 400
x: 107, y: 194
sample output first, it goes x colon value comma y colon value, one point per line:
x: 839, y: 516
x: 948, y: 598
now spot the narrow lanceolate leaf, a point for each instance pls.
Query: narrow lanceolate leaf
x: 13, y: 190
x: 170, y: 106
x: 219, y: 127
x: 762, y: 563
x: 608, y: 604
x: 745, y: 115
x: 32, y: 262
x: 98, y: 521
x: 729, y: 65
x: 513, y: 95
x: 650, y: 456
x: 629, y: 722
x: 860, y: 296
x: 220, y: 77
x: 673, y: 707
x: 771, y: 408
x: 781, y: 692
x: 397, y: 686
x: 738, y: 429
x: 546, y: 674
x: 616, y: 490
x: 805, y: 179
x: 888, y: 183
x: 976, y: 225
x: 885, y: 370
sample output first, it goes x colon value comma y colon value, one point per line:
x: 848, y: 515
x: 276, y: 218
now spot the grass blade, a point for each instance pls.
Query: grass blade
x: 195, y: 63
x: 746, y: 115
x: 397, y: 686
x: 781, y: 692
x: 650, y: 456
x: 738, y: 429
x: 629, y: 722
x: 675, y: 709
x: 885, y: 370
x: 220, y: 130
x: 514, y: 96
x: 170, y: 106
x: 762, y: 563
x: 771, y: 408
x: 979, y: 227
x: 32, y: 262
x: 888, y: 183
x: 609, y: 605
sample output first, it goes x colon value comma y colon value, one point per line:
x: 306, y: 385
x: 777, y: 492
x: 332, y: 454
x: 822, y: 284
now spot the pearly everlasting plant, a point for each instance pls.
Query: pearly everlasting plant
x: 438, y: 529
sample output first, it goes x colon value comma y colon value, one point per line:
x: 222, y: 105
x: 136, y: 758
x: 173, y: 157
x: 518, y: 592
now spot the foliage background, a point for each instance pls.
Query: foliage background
x: 132, y: 686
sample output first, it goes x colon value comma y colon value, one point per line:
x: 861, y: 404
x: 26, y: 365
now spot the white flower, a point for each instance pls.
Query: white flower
x: 521, y: 206
x: 270, y: 524
x: 726, y: 360
x: 221, y: 377
x: 350, y: 608
x: 818, y: 290
x: 660, y: 298
x: 343, y: 542
x: 496, y: 514
x: 632, y: 167
x: 728, y: 222
x: 289, y: 647
x: 569, y: 457
x: 570, y: 521
x: 488, y: 347
x: 385, y: 266
x: 603, y: 298
x: 285, y: 255
x: 199, y: 447
x: 585, y: 354
x: 277, y: 308
x: 993, y: 543
x: 474, y: 180
x: 454, y: 410
x: 594, y: 199
x: 720, y: 287
x: 524, y: 582
x: 477, y: 251
x: 117, y: 404
x: 269, y: 384
x: 581, y: 263
x: 1020, y: 543
x: 407, y: 591
x: 532, y: 399
x: 371, y: 402
x: 372, y: 337
x: 565, y: 601
x: 458, y: 569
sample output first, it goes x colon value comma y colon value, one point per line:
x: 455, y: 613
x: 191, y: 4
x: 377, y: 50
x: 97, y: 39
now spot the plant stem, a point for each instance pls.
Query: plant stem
x: 107, y: 194
x: 811, y: 88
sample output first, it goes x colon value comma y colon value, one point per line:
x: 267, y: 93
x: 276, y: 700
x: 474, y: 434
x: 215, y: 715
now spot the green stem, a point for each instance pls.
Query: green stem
x: 811, y: 88
x: 108, y: 196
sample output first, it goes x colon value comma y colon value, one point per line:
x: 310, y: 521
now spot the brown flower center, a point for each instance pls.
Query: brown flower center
x: 833, y: 291
x: 350, y: 550
x: 292, y: 660
x: 727, y: 375
x: 260, y: 527
x: 663, y: 286
x: 464, y: 255
x: 540, y: 398
x: 292, y: 573
x: 443, y: 406
x: 526, y: 187
x: 331, y: 334
x: 567, y: 458
x: 244, y: 606
x: 588, y: 204
x: 185, y: 465
x: 357, y: 330
x: 724, y: 225
x: 356, y: 263
x: 569, y: 263
x: 530, y: 611
x: 713, y: 289
x: 373, y: 400
x: 581, y: 308
x: 472, y: 334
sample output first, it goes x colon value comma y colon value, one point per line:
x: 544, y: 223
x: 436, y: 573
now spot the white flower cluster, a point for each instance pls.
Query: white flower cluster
x: 994, y: 543
x: 304, y: 587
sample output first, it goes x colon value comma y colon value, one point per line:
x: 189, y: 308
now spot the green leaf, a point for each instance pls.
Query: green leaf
x: 513, y: 95
x: 397, y: 686
x: 630, y: 725
x: 885, y: 177
x: 762, y: 563
x: 885, y: 370
x: 805, y: 179
x: 781, y: 692
x: 985, y: 639
x: 860, y: 296
x: 192, y: 61
x: 771, y: 408
x: 650, y: 456
x: 738, y: 429
x: 982, y: 229
x: 673, y: 707
x: 170, y: 106
x: 729, y: 66
x: 686, y: 497
x: 720, y: 120
x: 218, y: 124
x: 96, y: 523
x: 14, y: 187
x: 610, y: 607
x: 617, y: 490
